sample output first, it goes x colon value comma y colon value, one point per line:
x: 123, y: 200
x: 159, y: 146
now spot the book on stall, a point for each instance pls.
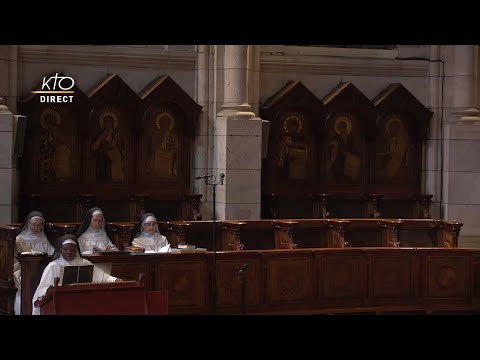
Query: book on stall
x: 33, y: 252
x: 186, y: 247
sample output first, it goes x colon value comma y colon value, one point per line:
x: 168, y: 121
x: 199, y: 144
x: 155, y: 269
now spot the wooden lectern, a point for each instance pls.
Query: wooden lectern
x: 111, y: 298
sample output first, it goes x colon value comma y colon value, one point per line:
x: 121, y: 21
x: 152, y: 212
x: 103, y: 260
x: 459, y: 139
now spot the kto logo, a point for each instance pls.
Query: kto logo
x: 56, y: 85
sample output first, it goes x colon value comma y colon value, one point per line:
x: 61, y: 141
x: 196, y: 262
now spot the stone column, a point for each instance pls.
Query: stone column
x: 7, y: 166
x: 237, y: 138
x: 235, y: 103
x: 461, y: 166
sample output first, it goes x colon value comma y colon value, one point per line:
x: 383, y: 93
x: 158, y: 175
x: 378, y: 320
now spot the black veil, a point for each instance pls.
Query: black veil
x: 58, y: 245
x: 88, y: 218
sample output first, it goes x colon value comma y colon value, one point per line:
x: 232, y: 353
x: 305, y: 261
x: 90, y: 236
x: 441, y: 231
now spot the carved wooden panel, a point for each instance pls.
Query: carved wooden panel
x: 185, y: 282
x: 397, y: 156
x: 167, y: 127
x: 304, y: 281
x: 392, y: 277
x: 50, y: 164
x: 56, y: 146
x: 51, y: 154
x: 400, y: 129
x: 349, y: 117
x: 344, y: 149
x: 295, y: 153
x: 108, y: 145
x: 230, y: 286
x: 446, y: 276
x: 108, y: 135
x: 287, y: 278
x: 340, y: 277
x: 296, y: 119
x: 359, y: 146
x: 161, y: 145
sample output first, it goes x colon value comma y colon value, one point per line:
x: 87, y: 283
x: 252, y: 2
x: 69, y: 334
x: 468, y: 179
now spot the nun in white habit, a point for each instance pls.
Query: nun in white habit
x: 149, y: 236
x: 66, y: 254
x: 91, y: 234
x: 32, y: 238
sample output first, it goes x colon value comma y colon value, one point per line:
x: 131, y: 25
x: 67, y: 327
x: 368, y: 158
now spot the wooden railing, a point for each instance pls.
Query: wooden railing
x: 328, y: 280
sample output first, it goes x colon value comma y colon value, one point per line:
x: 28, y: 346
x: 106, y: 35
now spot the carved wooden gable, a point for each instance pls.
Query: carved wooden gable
x: 367, y: 154
x: 296, y: 118
x: 167, y: 128
x: 108, y: 149
x: 52, y: 128
x: 401, y: 127
x: 348, y: 115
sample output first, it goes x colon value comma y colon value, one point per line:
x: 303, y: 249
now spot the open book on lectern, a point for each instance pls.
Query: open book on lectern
x: 75, y: 274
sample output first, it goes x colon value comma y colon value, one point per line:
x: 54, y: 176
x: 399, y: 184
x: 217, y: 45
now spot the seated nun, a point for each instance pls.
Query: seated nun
x: 149, y: 237
x: 91, y: 234
x: 32, y: 238
x: 67, y: 253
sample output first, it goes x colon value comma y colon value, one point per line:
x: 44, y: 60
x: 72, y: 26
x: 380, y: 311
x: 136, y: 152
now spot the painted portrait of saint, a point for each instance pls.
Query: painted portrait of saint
x: 343, y: 156
x: 163, y: 147
x: 109, y: 149
x: 55, y: 151
x: 394, y: 157
x: 294, y: 152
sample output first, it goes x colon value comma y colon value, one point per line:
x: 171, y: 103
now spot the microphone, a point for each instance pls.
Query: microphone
x: 206, y: 176
x: 242, y: 269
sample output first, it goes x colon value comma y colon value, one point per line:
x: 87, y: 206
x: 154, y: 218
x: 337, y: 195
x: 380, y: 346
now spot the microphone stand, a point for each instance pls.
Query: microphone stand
x: 243, y: 279
x: 213, y: 183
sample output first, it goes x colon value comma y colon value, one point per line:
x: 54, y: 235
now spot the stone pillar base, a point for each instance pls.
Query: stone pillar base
x: 238, y: 154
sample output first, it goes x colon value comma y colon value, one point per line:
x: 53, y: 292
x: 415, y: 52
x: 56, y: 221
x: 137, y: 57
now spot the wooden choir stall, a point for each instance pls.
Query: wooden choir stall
x: 188, y: 276
x: 343, y: 155
x: 299, y: 281
x: 126, y: 152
